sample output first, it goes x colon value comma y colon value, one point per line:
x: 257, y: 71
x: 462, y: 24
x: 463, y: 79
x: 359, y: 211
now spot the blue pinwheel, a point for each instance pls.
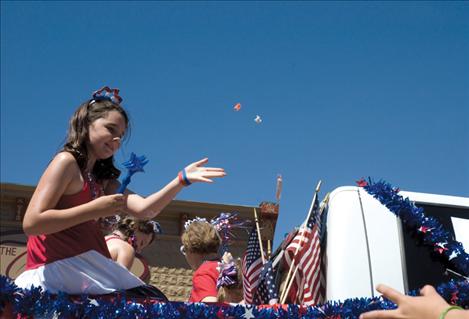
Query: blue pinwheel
x: 134, y: 164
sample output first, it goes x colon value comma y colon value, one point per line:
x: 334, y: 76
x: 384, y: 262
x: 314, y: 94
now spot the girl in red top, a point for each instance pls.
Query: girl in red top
x: 66, y: 250
x: 200, y: 245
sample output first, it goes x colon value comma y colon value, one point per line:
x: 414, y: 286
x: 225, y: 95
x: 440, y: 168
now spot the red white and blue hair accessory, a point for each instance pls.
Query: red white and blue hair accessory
x: 109, y: 223
x: 156, y: 227
x: 194, y: 220
x: 223, y: 224
x: 228, y: 272
x: 108, y: 94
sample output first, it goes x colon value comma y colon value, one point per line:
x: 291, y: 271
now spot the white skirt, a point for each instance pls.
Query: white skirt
x: 87, y: 273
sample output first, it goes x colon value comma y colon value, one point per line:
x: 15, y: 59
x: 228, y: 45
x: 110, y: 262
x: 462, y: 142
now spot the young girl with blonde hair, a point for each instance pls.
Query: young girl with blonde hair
x: 200, y: 246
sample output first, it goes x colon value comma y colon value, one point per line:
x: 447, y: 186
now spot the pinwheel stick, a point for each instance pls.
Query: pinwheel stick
x: 134, y: 164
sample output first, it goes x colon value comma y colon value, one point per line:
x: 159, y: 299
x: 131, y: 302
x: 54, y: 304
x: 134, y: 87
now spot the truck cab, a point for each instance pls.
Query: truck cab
x: 367, y: 244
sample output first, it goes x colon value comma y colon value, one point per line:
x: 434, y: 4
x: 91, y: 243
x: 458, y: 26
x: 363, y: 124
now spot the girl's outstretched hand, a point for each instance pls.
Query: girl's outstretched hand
x: 197, y: 172
x: 428, y: 305
x: 110, y: 204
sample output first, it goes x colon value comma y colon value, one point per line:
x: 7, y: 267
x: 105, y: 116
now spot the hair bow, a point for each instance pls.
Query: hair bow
x: 228, y: 272
x: 156, y: 227
x: 106, y: 93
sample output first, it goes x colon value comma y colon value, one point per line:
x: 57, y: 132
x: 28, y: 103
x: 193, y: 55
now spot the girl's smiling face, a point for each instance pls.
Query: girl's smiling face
x: 105, y: 135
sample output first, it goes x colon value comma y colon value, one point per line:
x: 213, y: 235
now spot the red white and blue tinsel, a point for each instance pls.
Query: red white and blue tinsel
x: 433, y: 234
x: 37, y: 303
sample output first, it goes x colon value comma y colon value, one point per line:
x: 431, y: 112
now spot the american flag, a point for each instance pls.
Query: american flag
x: 252, y: 266
x: 307, y: 288
x: 267, y: 292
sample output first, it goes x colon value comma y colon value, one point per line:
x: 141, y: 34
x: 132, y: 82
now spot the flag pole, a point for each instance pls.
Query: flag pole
x: 288, y: 287
x: 259, y: 235
x: 269, y: 249
x: 318, y: 187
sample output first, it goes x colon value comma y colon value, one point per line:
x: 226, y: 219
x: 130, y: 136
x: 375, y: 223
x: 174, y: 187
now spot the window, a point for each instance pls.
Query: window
x: 423, y: 266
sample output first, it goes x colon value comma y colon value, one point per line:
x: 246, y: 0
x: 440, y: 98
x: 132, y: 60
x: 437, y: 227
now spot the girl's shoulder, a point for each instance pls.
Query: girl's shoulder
x: 119, y: 244
x: 65, y: 160
x: 64, y: 169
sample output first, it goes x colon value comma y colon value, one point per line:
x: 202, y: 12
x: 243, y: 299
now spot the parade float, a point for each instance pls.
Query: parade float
x: 367, y: 235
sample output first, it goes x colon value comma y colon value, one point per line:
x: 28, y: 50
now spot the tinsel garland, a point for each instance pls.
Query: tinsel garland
x: 40, y: 304
x: 432, y: 232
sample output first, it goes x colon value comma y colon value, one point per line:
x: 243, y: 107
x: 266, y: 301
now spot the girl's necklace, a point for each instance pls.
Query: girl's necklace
x: 95, y: 188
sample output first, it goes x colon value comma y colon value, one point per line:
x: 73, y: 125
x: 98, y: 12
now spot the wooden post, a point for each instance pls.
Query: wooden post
x: 259, y: 235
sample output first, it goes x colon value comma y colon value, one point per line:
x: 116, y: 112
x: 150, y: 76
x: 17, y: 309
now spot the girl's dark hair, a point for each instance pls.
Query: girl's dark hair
x: 78, y: 136
x: 129, y: 225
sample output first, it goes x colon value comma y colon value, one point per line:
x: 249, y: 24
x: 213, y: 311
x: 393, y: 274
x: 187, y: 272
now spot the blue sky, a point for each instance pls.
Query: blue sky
x: 345, y: 90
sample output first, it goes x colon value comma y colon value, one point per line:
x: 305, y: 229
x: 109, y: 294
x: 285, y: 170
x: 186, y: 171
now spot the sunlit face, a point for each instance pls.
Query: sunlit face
x: 142, y: 240
x: 105, y: 135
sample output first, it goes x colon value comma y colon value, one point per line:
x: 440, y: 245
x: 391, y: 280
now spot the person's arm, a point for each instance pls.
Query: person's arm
x: 61, y: 175
x: 430, y: 305
x: 121, y: 252
x: 149, y: 207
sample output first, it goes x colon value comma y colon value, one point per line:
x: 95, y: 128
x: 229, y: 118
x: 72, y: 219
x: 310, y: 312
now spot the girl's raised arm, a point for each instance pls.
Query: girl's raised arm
x: 152, y: 205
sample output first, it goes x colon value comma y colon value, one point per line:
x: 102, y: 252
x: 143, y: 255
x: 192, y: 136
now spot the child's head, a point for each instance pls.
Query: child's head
x: 201, y: 237
x: 200, y: 240
x: 139, y: 233
x: 230, y: 280
x: 78, y: 136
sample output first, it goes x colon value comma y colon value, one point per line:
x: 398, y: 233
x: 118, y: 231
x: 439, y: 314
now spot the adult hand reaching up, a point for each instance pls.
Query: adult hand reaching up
x: 429, y: 305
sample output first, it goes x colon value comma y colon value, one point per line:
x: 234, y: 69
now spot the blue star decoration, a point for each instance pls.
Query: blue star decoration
x: 135, y: 163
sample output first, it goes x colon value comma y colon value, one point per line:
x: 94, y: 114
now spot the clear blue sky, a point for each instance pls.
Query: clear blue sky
x: 345, y: 90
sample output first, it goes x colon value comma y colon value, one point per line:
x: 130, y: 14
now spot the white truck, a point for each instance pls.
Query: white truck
x: 367, y: 244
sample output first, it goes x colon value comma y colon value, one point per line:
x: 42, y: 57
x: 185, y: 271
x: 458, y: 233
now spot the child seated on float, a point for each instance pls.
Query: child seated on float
x: 200, y: 246
x: 202, y: 242
x: 131, y: 236
x: 66, y: 250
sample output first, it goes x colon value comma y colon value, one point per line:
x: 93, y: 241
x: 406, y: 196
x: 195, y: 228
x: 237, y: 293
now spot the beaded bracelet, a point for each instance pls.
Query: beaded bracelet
x: 445, y: 312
